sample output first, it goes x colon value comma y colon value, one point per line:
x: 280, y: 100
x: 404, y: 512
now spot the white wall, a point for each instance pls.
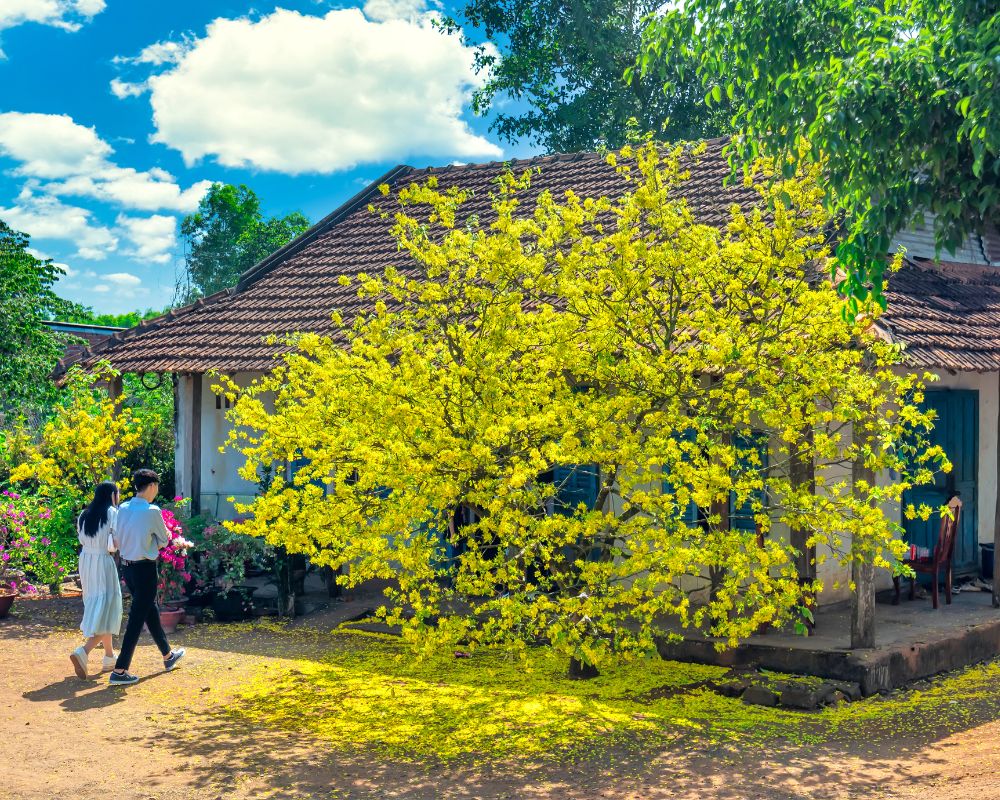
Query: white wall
x: 220, y: 477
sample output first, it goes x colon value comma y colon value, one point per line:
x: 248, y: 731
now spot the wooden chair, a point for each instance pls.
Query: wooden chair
x: 940, y: 559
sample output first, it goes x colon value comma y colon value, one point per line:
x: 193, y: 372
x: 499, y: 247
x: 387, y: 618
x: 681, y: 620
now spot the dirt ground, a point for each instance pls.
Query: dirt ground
x: 167, y: 738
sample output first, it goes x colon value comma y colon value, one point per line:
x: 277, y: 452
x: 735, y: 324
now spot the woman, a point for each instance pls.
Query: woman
x: 102, y: 593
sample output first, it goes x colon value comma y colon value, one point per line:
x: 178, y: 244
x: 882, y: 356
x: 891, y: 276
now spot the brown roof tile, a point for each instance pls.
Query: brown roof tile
x: 946, y: 315
x: 296, y: 289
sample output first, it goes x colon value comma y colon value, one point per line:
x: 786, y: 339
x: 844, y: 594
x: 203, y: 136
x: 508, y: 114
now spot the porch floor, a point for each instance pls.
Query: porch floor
x: 913, y: 641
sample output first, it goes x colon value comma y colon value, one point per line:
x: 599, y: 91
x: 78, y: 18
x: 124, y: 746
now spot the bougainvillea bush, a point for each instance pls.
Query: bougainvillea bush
x: 27, y: 559
x: 173, y: 560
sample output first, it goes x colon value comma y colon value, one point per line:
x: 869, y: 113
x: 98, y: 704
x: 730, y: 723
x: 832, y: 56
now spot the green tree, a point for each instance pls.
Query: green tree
x: 564, y: 65
x: 228, y: 234
x: 28, y: 350
x: 900, y: 98
x: 84, y: 315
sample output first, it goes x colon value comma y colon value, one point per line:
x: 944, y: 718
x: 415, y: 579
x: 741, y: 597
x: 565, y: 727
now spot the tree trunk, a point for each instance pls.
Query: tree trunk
x: 115, y: 395
x: 803, y: 474
x: 862, y: 569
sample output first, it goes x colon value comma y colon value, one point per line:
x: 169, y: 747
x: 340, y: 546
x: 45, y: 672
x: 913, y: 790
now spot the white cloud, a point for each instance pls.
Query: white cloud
x: 45, y: 217
x: 145, y: 191
x: 295, y: 93
x: 383, y: 10
x: 51, y: 145
x: 122, y: 89
x: 152, y: 239
x: 158, y: 53
x: 77, y: 163
x: 69, y: 15
x: 124, y: 280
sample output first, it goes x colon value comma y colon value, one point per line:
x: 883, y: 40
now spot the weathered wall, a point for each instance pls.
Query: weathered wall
x: 220, y: 477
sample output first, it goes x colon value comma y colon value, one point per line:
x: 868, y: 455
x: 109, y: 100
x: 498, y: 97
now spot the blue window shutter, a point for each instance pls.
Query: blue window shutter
x: 690, y: 515
x: 296, y: 464
x: 741, y: 518
x: 575, y: 484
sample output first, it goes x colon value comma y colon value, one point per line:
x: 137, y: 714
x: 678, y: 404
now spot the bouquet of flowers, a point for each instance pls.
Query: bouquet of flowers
x: 173, y: 561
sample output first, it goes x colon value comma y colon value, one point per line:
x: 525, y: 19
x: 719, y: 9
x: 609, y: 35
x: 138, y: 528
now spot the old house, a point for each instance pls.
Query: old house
x: 946, y: 313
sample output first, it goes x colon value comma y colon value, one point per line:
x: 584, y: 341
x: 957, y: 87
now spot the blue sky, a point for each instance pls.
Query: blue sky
x: 115, y: 115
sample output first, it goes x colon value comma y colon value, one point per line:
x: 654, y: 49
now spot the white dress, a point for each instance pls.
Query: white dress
x: 102, y: 592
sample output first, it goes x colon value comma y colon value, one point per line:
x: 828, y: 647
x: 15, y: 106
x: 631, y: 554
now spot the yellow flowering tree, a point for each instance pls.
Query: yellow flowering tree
x: 87, y: 434
x: 578, y: 421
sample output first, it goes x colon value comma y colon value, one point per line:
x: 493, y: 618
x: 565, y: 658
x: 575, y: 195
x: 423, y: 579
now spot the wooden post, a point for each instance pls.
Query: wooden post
x: 719, y: 508
x: 996, y: 517
x: 196, y: 379
x: 862, y: 568
x: 115, y: 395
x: 803, y: 474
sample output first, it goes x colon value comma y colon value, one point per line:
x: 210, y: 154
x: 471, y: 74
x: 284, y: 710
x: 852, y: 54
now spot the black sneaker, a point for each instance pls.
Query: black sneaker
x: 175, y: 656
x: 122, y: 679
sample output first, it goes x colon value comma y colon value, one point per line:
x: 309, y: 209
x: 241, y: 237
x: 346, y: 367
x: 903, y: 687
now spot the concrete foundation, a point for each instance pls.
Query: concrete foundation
x: 913, y: 641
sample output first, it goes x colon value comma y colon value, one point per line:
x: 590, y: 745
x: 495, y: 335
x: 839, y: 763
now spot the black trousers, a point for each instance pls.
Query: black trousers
x: 141, y: 578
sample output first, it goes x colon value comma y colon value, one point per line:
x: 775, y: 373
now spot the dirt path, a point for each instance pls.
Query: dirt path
x: 167, y: 739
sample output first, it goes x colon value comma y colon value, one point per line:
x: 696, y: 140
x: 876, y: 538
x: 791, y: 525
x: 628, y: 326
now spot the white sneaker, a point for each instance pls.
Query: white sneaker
x: 108, y: 663
x: 79, y: 660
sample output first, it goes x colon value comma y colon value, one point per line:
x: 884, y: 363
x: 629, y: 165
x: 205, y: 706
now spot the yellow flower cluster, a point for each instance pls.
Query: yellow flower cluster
x: 79, y: 446
x: 686, y: 368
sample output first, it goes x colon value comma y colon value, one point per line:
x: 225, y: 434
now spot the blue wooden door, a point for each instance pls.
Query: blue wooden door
x: 956, y: 429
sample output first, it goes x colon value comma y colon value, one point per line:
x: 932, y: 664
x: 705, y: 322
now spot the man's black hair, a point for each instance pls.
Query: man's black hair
x: 141, y: 478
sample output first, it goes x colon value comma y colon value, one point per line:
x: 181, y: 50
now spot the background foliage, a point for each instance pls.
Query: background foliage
x: 227, y: 235
x: 28, y: 350
x: 900, y: 99
x: 556, y: 75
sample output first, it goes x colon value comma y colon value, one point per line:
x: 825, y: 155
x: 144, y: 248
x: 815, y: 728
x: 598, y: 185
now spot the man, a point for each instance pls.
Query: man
x: 139, y: 535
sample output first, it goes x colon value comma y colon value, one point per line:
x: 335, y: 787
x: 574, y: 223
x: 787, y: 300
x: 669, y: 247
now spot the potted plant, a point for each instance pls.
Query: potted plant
x: 173, y: 573
x: 223, y: 560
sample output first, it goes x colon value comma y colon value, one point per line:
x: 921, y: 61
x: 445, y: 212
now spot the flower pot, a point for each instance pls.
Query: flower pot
x: 7, y: 598
x: 987, y: 560
x: 233, y: 606
x: 170, y: 617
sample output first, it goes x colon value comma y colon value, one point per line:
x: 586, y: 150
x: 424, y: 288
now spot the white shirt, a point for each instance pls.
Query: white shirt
x: 139, y: 530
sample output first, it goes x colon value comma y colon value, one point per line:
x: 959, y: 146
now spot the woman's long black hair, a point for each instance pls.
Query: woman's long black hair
x: 96, y: 514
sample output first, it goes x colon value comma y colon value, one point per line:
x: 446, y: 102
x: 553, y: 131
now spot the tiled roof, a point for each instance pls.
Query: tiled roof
x: 296, y: 289
x: 946, y: 314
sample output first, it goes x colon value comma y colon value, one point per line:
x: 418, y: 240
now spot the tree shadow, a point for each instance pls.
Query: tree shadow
x: 224, y: 753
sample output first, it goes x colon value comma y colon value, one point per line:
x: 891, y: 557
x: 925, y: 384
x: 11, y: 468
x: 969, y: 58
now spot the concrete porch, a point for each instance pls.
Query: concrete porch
x: 913, y: 641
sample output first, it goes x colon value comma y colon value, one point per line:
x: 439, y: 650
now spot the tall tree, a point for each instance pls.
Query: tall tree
x: 542, y: 373
x: 901, y: 98
x: 564, y: 67
x: 28, y: 349
x: 227, y: 235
